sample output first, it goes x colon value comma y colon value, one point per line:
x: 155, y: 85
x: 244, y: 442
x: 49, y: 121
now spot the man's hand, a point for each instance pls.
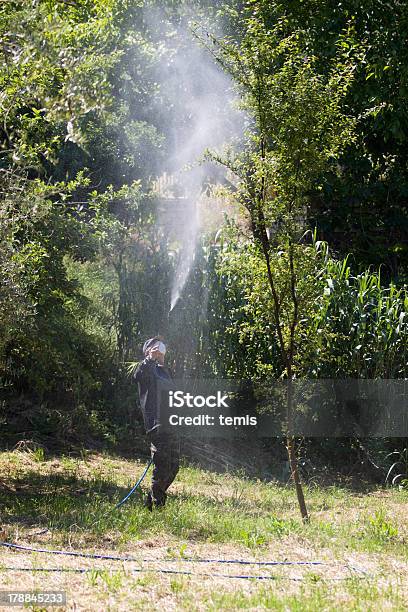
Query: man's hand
x: 154, y: 353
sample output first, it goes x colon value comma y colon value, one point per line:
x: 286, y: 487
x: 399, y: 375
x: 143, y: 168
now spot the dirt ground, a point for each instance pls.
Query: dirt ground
x: 145, y: 584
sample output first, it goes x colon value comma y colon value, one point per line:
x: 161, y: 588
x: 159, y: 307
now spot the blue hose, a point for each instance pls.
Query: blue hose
x: 157, y: 570
x: 81, y: 570
x: 139, y: 482
x: 183, y: 559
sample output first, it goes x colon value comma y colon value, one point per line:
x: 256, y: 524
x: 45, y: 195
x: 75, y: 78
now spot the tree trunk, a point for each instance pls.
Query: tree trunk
x: 290, y: 441
x: 291, y: 447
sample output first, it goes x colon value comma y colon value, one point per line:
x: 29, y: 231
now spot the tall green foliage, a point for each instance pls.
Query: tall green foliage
x: 62, y: 112
x: 362, y: 207
x: 358, y: 326
x: 353, y: 325
x: 86, y: 121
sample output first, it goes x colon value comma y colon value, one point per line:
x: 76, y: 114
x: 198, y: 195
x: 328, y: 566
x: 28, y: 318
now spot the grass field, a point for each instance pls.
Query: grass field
x: 66, y: 502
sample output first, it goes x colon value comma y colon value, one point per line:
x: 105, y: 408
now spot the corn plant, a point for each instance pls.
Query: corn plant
x: 358, y: 327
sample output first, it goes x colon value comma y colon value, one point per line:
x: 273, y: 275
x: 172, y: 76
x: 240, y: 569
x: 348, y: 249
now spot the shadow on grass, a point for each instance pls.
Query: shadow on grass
x: 67, y: 503
x: 34, y: 498
x: 217, y: 460
x: 60, y: 501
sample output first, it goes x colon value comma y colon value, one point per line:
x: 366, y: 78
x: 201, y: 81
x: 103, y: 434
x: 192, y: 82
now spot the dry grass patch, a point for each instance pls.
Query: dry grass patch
x: 53, y: 503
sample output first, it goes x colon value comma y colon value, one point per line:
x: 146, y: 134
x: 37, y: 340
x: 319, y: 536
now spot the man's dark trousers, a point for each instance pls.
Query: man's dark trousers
x: 165, y: 452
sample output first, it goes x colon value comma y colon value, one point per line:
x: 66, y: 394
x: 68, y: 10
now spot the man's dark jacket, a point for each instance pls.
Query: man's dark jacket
x: 152, y: 380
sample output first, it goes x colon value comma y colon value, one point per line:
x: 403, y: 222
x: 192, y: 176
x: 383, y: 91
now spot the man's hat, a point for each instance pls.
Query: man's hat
x: 149, y: 343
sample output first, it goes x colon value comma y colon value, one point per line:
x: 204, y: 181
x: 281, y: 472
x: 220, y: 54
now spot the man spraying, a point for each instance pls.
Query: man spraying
x: 153, y: 376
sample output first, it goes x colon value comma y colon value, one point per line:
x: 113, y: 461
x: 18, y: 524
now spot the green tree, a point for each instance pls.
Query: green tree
x: 298, y: 129
x: 362, y: 207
